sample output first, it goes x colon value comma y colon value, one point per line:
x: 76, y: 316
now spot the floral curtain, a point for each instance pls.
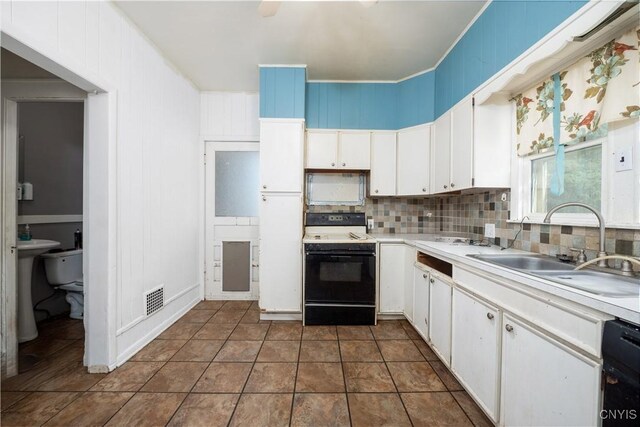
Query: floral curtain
x: 600, y: 88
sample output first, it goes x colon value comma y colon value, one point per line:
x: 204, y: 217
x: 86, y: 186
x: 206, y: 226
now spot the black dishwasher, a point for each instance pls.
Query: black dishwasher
x: 621, y: 374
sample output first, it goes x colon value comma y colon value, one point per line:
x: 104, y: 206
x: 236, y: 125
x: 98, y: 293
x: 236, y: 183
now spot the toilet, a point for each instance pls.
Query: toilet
x: 64, y: 271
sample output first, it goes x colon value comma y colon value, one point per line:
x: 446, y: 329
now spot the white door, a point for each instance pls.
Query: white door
x: 383, y: 164
x: 442, y: 154
x: 421, y: 302
x: 462, y: 145
x: 322, y: 150
x: 440, y: 317
x: 354, y: 150
x: 545, y: 383
x: 392, y: 266
x: 413, y: 161
x: 281, y: 147
x: 281, y: 252
x: 9, y: 253
x: 232, y: 208
x: 475, y: 349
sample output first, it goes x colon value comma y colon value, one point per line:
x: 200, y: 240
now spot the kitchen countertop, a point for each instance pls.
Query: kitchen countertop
x: 624, y: 308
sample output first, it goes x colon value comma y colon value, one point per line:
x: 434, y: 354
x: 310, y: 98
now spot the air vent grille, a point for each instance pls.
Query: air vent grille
x: 154, y: 300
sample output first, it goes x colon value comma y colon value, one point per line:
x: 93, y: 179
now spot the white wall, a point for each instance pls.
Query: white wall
x: 230, y: 116
x: 157, y: 152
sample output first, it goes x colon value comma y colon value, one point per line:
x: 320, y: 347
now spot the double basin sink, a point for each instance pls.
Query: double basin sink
x: 592, y: 281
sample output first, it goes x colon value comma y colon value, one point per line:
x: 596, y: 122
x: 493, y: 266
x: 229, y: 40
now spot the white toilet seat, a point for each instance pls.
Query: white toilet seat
x: 77, y: 286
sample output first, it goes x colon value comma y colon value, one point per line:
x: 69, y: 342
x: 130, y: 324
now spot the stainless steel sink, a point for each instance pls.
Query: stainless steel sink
x: 594, y: 282
x: 524, y: 262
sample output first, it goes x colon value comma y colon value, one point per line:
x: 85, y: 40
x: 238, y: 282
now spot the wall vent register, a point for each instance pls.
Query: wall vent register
x: 154, y: 300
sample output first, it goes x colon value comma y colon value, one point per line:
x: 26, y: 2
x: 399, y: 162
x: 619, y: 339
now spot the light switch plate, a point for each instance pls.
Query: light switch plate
x: 490, y: 231
x: 623, y: 159
x: 370, y: 224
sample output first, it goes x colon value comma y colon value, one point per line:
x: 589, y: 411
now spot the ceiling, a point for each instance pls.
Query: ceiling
x: 15, y: 67
x: 218, y: 44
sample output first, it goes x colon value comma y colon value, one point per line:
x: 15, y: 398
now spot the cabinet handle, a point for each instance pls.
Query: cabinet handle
x: 264, y: 187
x: 445, y: 186
x: 490, y: 316
x: 333, y: 164
x: 264, y: 199
x: 452, y: 185
x: 424, y: 189
x: 344, y: 164
x: 425, y: 321
x: 424, y: 276
x: 509, y: 328
x: 376, y: 191
x: 432, y: 281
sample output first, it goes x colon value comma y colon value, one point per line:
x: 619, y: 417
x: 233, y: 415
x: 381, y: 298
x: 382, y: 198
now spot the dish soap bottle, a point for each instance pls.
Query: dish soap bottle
x: 26, y: 234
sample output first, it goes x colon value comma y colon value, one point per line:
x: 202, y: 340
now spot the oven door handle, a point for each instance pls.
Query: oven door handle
x: 342, y: 254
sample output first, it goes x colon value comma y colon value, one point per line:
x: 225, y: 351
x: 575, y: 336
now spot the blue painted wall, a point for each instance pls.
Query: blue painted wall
x: 282, y: 92
x: 504, y: 31
x: 416, y: 100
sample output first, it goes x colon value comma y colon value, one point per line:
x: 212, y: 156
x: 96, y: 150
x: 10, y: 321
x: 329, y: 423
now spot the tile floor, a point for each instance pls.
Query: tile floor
x: 220, y: 365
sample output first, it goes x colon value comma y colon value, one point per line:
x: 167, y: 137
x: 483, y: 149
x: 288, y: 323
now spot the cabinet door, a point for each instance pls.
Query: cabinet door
x: 421, y: 301
x: 280, y: 240
x: 281, y: 148
x: 440, y: 317
x: 475, y: 350
x: 462, y: 145
x: 441, y: 161
x: 413, y: 161
x: 354, y: 150
x: 322, y: 150
x: 383, y: 164
x: 392, y: 268
x: 409, y: 261
x: 544, y: 382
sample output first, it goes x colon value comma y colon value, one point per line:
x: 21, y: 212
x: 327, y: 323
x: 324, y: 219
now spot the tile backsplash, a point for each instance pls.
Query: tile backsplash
x: 467, y: 213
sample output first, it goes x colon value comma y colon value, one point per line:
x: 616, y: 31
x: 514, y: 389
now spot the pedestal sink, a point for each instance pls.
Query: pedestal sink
x: 27, y: 251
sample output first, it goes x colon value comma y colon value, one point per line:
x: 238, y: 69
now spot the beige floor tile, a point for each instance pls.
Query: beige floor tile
x: 319, y: 351
x: 198, y: 351
x: 250, y: 317
x: 284, y: 332
x: 360, y: 351
x: 377, y: 409
x: 211, y: 331
x: 223, y: 378
x: 475, y: 414
x: 320, y: 409
x: 236, y: 305
x: 425, y: 350
x: 177, y: 377
x: 129, y: 377
x: 271, y: 410
x: 90, y: 409
x: 415, y: 376
x: 231, y: 317
x: 354, y: 333
x: 389, y: 331
x: 272, y: 378
x: 319, y: 333
x: 37, y: 408
x: 73, y: 377
x: 400, y: 351
x: 180, y: 331
x: 198, y: 316
x: 8, y: 398
x: 279, y: 351
x: 209, y: 305
x: 320, y: 378
x: 445, y: 375
x: 148, y: 409
x: 434, y: 409
x: 159, y: 350
x: 249, y: 332
x: 367, y: 378
x: 205, y: 410
x: 238, y: 351
x: 45, y: 346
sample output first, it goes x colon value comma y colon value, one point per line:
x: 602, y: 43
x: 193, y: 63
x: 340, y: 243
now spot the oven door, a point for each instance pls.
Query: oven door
x: 347, y: 277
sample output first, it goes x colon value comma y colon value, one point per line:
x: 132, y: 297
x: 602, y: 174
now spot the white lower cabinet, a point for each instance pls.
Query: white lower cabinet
x: 475, y: 349
x: 391, y: 257
x: 421, y: 301
x: 544, y: 383
x: 440, y: 317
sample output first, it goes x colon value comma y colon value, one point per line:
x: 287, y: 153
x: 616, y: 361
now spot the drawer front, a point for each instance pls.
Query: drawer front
x: 580, y: 329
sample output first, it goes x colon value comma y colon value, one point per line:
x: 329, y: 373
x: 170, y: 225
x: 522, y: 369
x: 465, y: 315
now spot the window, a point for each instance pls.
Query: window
x: 237, y: 183
x: 582, y: 182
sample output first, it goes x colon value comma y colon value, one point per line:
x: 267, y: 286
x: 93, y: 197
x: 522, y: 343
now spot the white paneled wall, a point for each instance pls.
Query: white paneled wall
x: 158, y: 153
x: 231, y: 116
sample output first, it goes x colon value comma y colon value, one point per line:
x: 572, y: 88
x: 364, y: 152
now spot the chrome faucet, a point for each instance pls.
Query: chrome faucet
x: 601, y: 252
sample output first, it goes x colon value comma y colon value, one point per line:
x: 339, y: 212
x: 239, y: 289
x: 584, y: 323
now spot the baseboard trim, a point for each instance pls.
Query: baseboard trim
x: 280, y: 316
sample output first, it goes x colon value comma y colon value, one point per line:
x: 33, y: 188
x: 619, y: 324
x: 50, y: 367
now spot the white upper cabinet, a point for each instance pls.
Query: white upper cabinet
x: 338, y: 150
x: 462, y: 145
x: 442, y: 153
x: 281, y: 156
x: 413, y: 161
x: 354, y: 150
x: 383, y: 164
x: 492, y: 123
x: 322, y: 150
